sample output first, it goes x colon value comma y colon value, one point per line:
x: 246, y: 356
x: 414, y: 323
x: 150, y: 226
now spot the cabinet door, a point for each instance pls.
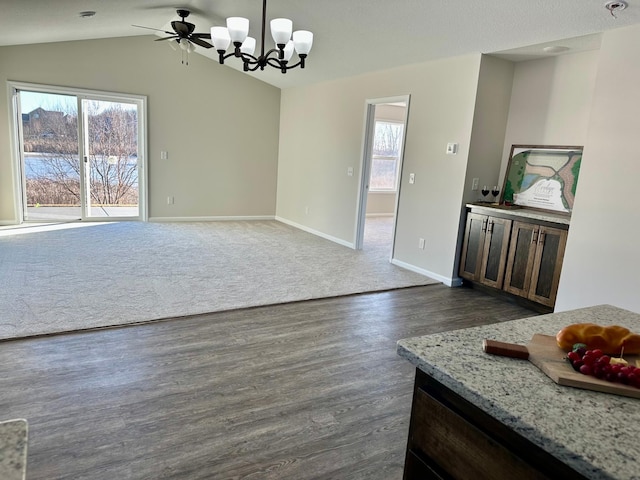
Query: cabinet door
x: 520, y: 259
x: 547, y: 265
x: 494, y: 257
x: 472, y: 247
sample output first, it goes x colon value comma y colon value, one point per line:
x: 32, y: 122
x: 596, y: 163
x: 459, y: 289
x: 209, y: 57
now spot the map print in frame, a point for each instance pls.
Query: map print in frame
x: 542, y: 177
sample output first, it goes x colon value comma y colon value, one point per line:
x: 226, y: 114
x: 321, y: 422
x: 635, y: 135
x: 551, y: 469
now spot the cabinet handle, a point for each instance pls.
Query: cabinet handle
x: 484, y: 224
x: 490, y: 226
x: 541, y: 239
x: 534, y: 236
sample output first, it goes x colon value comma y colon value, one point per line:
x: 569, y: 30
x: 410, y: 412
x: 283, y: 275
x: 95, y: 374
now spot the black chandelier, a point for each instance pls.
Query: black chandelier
x: 244, y: 46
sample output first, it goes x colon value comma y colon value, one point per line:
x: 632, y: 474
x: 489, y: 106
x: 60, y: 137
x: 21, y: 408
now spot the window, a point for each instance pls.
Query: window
x: 385, y: 157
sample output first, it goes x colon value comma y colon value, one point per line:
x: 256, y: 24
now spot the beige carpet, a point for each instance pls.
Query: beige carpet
x: 128, y: 272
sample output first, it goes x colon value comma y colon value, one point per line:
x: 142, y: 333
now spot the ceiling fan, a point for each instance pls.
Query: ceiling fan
x: 183, y: 33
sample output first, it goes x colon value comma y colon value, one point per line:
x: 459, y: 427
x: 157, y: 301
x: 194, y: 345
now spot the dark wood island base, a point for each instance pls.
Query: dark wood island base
x: 450, y: 438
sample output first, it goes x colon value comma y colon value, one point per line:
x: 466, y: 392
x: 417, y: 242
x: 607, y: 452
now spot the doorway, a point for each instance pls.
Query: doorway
x: 79, y: 155
x: 385, y: 131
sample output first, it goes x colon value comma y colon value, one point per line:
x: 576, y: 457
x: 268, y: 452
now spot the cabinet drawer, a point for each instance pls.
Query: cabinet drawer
x: 451, y: 444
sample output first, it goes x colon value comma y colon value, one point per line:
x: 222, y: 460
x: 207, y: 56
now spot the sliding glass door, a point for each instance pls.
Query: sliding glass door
x: 85, y: 169
x: 110, y: 133
x: 50, y: 152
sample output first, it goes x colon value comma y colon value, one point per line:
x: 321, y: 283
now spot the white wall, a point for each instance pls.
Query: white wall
x: 602, y: 261
x: 219, y: 125
x: 322, y: 135
x: 550, y: 102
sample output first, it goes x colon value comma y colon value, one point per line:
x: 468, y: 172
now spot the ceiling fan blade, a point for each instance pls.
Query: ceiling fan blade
x: 166, y: 38
x: 156, y: 29
x: 201, y: 35
x: 202, y: 43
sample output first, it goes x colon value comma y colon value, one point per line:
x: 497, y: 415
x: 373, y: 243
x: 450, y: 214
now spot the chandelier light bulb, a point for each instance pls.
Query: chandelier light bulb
x: 302, y: 41
x: 288, y: 51
x: 248, y: 46
x: 220, y: 38
x: 281, y: 29
x: 238, y: 28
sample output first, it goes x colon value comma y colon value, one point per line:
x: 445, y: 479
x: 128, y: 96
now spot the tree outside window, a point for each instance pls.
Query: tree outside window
x: 385, y: 157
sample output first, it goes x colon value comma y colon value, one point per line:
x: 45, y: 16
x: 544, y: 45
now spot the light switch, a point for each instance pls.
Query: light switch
x: 452, y: 148
x: 474, y: 184
x: 412, y: 178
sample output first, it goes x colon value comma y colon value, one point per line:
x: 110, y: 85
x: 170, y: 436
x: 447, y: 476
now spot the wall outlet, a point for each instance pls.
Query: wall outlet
x: 412, y: 178
x: 350, y: 171
x: 306, y: 210
x: 474, y: 184
x: 164, y: 155
x: 421, y: 244
x: 170, y: 200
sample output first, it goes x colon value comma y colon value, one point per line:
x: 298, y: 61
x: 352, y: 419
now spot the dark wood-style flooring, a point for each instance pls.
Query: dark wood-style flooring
x: 309, y: 390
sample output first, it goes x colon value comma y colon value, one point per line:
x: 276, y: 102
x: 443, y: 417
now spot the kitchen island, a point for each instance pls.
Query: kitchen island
x: 476, y: 415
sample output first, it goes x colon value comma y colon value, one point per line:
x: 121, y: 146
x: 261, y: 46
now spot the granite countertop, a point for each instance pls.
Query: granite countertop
x: 13, y: 449
x: 564, y: 219
x: 596, y: 434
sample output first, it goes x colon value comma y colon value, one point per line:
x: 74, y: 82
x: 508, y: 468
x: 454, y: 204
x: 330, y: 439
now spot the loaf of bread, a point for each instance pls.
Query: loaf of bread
x: 609, y: 339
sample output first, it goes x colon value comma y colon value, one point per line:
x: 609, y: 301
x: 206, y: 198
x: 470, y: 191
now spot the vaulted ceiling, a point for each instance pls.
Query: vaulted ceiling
x: 351, y: 36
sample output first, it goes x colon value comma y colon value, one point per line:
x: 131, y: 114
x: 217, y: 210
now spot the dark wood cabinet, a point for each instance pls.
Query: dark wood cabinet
x: 535, y: 262
x: 450, y: 438
x: 484, y: 250
x: 515, y: 254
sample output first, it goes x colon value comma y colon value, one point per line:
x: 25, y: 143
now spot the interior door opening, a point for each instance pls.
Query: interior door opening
x: 385, y: 127
x: 80, y: 155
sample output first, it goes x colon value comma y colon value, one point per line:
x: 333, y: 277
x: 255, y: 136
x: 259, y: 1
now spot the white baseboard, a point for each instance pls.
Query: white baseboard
x: 448, y: 281
x: 209, y: 219
x: 316, y: 232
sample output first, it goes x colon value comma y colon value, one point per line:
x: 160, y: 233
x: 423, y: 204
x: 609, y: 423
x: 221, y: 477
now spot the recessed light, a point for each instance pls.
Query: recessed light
x: 555, y: 49
x: 87, y: 14
x: 615, y: 6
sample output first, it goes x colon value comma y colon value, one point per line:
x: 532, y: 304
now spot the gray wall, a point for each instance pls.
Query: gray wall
x: 321, y: 136
x: 219, y: 126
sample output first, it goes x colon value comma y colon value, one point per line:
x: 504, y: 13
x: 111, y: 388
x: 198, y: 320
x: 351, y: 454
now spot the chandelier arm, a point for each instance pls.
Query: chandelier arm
x: 274, y: 62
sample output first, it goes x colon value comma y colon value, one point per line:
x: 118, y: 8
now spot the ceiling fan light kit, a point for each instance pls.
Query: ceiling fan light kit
x: 236, y: 33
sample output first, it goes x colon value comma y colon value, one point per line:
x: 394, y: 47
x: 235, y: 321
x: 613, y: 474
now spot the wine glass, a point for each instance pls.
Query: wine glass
x: 495, y: 191
x: 485, y: 192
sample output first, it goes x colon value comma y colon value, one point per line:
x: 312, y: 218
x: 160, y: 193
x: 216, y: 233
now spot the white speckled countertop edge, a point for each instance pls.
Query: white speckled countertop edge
x: 13, y: 449
x: 597, y: 434
x: 562, y: 219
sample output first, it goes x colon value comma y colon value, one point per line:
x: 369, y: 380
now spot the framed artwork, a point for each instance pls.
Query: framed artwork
x: 540, y: 176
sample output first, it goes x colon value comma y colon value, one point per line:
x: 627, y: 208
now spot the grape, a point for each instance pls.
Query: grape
x: 573, y: 356
x: 595, y: 362
x: 586, y: 369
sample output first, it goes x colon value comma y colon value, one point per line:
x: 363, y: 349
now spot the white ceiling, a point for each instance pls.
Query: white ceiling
x: 351, y: 36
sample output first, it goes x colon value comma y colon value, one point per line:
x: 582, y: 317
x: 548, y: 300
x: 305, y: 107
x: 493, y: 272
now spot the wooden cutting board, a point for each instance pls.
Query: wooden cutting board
x: 545, y: 354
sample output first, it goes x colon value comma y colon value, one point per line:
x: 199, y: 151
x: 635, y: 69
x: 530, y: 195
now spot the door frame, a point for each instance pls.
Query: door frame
x: 365, y: 167
x: 80, y: 94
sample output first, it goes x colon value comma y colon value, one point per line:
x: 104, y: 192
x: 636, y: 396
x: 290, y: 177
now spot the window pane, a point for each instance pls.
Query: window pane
x: 383, y: 173
x: 387, y: 144
x: 387, y: 139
